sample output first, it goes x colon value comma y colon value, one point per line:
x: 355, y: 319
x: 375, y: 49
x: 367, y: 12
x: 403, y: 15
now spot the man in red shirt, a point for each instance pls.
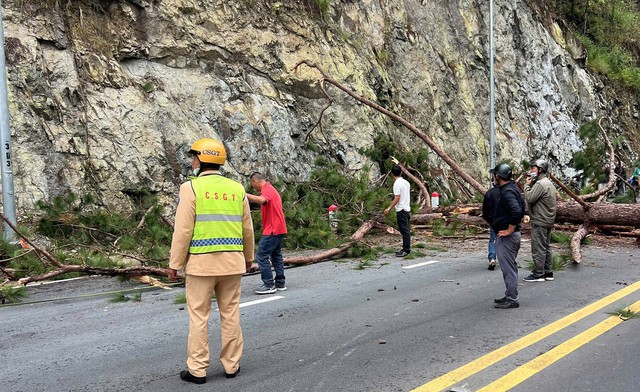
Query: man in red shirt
x: 273, y: 230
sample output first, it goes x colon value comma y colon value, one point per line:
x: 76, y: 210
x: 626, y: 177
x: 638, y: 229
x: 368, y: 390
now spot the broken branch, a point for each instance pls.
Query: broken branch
x: 452, y: 164
x: 333, y: 252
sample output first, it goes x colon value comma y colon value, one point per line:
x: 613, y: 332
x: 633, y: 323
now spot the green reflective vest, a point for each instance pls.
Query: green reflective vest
x: 219, y: 207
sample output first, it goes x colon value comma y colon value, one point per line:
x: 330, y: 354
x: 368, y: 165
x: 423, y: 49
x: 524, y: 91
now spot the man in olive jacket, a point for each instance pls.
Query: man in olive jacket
x: 213, y: 241
x: 540, y: 196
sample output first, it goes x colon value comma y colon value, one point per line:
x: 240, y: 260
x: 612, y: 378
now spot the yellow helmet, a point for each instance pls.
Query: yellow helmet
x: 209, y: 151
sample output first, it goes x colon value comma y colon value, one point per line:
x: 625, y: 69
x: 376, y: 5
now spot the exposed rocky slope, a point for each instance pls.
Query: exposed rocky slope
x: 107, y: 95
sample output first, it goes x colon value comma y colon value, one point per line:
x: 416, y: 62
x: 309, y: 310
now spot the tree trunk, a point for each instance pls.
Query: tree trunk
x: 576, y: 254
x: 434, y: 147
x: 425, y: 219
x: 599, y: 214
x: 90, y: 270
x: 333, y: 252
x: 567, y: 212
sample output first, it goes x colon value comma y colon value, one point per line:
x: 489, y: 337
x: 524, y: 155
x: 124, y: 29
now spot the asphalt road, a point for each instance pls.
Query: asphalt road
x: 337, y: 328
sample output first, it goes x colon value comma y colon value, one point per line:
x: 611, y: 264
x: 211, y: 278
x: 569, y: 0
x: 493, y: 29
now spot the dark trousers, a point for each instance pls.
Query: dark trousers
x: 405, y: 229
x: 507, y: 251
x: 541, y: 249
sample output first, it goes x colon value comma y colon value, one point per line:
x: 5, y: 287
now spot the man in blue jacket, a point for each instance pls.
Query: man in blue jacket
x: 506, y: 223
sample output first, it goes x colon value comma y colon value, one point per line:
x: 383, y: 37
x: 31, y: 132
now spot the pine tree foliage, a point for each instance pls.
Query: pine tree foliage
x: 306, y: 205
x: 591, y: 158
x: 84, y: 233
x: 12, y: 293
x: 356, y: 194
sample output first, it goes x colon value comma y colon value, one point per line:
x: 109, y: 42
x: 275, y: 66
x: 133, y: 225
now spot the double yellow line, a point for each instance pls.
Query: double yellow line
x: 522, y: 373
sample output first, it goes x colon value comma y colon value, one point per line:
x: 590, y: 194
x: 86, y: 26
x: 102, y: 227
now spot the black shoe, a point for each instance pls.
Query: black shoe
x: 232, y: 375
x: 492, y: 264
x: 534, y: 278
x: 188, y: 377
x: 507, y: 305
x: 402, y: 253
x: 500, y: 300
x: 548, y: 276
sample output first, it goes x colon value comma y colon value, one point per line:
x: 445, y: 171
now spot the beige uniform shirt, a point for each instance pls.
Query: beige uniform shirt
x: 206, y: 264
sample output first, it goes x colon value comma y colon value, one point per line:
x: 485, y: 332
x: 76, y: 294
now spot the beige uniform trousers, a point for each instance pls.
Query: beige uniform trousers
x: 199, y: 291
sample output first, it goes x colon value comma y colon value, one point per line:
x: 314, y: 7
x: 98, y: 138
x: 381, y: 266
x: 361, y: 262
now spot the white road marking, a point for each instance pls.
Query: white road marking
x: 259, y: 301
x: 54, y: 281
x: 421, y: 264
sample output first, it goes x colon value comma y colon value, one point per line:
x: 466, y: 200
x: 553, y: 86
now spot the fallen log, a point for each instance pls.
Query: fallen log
x: 425, y: 219
x: 576, y: 254
x: 635, y: 233
x: 91, y: 270
x: 599, y: 214
x: 608, y: 215
x: 333, y: 252
x: 615, y: 228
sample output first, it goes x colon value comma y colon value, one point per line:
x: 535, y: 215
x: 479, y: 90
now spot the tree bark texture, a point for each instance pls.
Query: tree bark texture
x: 576, y: 254
x: 599, y: 214
x: 333, y: 252
x: 90, y: 270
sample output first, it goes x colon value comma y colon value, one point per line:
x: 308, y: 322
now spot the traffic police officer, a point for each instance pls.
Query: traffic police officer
x: 213, y: 240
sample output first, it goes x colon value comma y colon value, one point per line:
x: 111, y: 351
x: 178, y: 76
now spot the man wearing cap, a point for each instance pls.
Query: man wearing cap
x: 507, y: 216
x: 540, y: 195
x: 213, y: 241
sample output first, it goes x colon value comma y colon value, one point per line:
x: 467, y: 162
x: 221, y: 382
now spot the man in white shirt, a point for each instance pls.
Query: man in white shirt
x: 402, y: 203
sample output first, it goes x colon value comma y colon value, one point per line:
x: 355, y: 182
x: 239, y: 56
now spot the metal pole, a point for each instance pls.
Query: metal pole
x: 8, y: 197
x: 491, y: 92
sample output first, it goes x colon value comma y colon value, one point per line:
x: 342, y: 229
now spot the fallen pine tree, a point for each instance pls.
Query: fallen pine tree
x: 588, y: 209
x: 588, y: 215
x: 598, y: 214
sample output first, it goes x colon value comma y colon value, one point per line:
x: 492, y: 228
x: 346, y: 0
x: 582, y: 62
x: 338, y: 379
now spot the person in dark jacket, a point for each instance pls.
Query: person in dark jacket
x: 489, y: 202
x: 506, y: 223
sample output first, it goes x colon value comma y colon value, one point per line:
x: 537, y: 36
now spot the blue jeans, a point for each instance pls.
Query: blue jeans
x: 492, y: 245
x: 270, y: 253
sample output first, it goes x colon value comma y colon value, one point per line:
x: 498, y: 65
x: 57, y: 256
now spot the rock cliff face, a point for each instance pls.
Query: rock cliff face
x: 107, y: 95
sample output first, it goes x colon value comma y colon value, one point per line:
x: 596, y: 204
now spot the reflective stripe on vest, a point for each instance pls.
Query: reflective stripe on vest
x: 219, y: 208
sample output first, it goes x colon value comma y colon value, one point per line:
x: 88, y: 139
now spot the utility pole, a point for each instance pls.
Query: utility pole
x: 492, y: 128
x: 8, y: 196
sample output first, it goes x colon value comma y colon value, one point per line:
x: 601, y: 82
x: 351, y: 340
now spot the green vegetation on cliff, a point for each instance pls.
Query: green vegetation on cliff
x: 610, y: 31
